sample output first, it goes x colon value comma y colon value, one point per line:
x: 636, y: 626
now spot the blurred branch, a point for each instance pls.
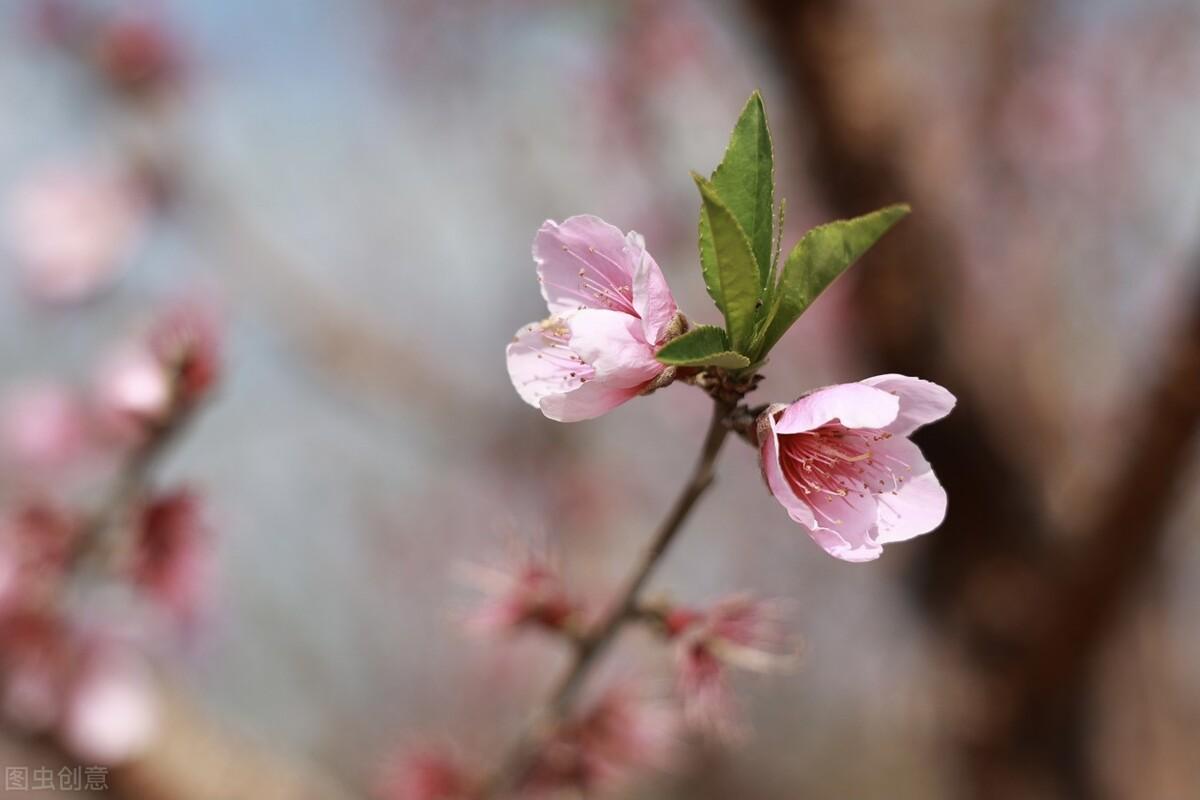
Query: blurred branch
x: 595, y: 643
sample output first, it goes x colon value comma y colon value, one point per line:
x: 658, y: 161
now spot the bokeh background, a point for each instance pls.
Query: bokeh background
x: 358, y: 184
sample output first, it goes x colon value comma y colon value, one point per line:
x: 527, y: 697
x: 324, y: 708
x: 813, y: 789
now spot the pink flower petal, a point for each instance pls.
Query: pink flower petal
x: 921, y: 402
x: 917, y: 508
x: 651, y: 296
x: 540, y: 364
x: 585, y: 263
x: 590, y: 400
x: 611, y: 343
x: 797, y: 509
x: 853, y: 404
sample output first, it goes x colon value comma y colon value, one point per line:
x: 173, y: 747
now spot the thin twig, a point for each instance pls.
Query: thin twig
x: 592, y: 646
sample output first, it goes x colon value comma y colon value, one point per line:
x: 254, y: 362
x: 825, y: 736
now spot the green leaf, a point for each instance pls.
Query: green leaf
x: 702, y: 346
x: 745, y: 180
x: 824, y: 253
x: 734, y: 273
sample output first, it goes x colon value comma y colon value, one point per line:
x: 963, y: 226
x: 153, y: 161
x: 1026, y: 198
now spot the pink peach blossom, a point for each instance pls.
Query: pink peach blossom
x: 36, y: 538
x: 621, y: 733
x: 840, y: 461
x: 110, y: 713
x: 739, y: 631
x: 428, y: 774
x: 172, y: 558
x: 610, y: 311
x: 527, y: 593
x: 43, y: 426
x: 73, y: 229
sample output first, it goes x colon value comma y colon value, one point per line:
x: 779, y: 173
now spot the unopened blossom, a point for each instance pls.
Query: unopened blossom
x: 186, y: 339
x: 610, y: 311
x: 739, y: 632
x: 43, y: 426
x: 840, y: 461
x: 528, y: 593
x: 428, y: 774
x: 173, y: 366
x: 621, y: 734
x: 73, y: 229
x: 172, y: 555
x: 132, y: 389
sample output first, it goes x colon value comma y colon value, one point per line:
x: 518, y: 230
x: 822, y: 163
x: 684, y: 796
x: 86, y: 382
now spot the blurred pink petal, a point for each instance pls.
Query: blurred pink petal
x: 36, y: 538
x: 111, y: 714
x: 837, y: 459
x: 132, y: 389
x: 73, y: 230
x: 737, y: 631
x: 529, y: 593
x: 620, y: 735
x: 427, y: 775
x: 173, y: 555
x: 42, y: 426
x: 611, y: 310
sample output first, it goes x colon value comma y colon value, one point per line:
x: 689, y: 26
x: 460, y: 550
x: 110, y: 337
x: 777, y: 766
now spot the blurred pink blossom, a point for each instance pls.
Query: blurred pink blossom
x: 74, y: 229
x: 110, y: 713
x: 43, y: 426
x: 621, y: 734
x: 527, y: 593
x: 610, y: 311
x: 173, y: 557
x: 186, y: 339
x: 840, y: 461
x: 427, y: 774
x: 137, y: 53
x: 36, y: 539
x: 132, y: 389
x: 89, y: 688
x: 142, y: 382
x: 738, y: 631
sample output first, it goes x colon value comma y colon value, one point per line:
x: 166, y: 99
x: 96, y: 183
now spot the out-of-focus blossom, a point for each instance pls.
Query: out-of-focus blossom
x: 530, y: 593
x: 73, y: 229
x: 132, y: 389
x: 110, y: 713
x: 90, y: 689
x: 172, y: 558
x: 35, y: 661
x: 43, y: 426
x: 137, y: 53
x: 840, y: 461
x: 427, y: 774
x: 186, y: 339
x: 173, y: 366
x: 739, y: 632
x: 36, y: 538
x: 621, y: 734
x: 611, y: 310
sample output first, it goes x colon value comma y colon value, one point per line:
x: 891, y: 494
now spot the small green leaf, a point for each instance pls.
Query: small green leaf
x: 734, y: 272
x: 823, y: 254
x: 745, y: 180
x: 702, y: 346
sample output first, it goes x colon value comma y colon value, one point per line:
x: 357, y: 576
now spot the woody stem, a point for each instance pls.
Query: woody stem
x: 596, y: 642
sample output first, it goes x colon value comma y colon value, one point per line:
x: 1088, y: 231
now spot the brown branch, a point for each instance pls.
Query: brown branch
x: 594, y: 644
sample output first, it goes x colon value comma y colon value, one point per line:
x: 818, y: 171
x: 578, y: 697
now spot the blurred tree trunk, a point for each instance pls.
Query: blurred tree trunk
x: 1026, y: 619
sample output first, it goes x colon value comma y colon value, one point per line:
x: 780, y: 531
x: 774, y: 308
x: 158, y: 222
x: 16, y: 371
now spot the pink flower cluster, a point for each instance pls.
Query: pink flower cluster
x: 66, y: 668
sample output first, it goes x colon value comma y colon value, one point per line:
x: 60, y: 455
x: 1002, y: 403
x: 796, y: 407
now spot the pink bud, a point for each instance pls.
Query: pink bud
x: 528, y: 593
